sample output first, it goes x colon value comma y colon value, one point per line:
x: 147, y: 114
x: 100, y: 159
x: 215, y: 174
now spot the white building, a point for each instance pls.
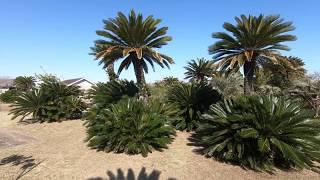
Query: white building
x: 83, y: 83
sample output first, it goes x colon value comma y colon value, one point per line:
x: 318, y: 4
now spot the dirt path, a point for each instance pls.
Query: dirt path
x: 9, y: 138
x: 60, y: 152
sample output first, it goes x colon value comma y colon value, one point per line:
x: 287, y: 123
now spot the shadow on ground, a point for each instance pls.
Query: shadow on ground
x: 194, y: 141
x: 27, y: 163
x: 28, y: 121
x: 120, y: 175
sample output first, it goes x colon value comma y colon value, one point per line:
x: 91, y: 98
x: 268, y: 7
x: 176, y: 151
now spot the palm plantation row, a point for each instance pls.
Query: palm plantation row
x: 229, y: 115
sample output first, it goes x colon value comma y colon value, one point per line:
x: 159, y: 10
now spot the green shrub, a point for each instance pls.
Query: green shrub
x: 228, y: 84
x: 104, y: 94
x: 192, y: 100
x: 158, y: 92
x: 53, y: 101
x: 74, y: 107
x: 130, y: 126
x: 24, y: 83
x: 30, y: 102
x: 9, y: 96
x: 260, y: 133
x: 167, y: 82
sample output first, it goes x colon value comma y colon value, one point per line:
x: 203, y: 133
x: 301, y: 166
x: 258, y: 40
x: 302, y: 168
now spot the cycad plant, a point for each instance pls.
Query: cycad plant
x: 282, y: 73
x: 55, y: 89
x: 29, y: 103
x: 198, y: 70
x: 9, y: 96
x: 250, y: 40
x: 130, y: 126
x: 192, y: 100
x: 260, y: 133
x: 133, y: 40
x: 104, y: 94
x: 307, y: 91
x: 24, y: 83
x: 52, y: 101
x: 292, y: 67
x: 229, y: 85
x: 108, y: 68
x: 167, y: 82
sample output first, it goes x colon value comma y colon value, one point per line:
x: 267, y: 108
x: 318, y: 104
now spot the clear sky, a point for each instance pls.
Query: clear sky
x: 54, y: 36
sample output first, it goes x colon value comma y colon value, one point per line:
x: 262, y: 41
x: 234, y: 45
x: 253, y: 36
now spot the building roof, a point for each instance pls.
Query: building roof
x: 75, y: 81
x: 70, y: 81
x: 6, y: 83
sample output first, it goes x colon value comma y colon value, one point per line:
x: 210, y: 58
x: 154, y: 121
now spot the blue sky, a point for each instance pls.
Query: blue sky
x: 54, y: 36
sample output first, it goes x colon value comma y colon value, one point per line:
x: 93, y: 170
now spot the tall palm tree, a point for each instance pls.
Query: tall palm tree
x: 133, y: 40
x: 251, y: 39
x: 198, y: 70
x: 24, y: 83
x: 282, y: 73
x: 295, y: 67
x: 108, y: 68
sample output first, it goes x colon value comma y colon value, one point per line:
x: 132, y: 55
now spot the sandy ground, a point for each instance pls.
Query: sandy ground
x: 59, y: 152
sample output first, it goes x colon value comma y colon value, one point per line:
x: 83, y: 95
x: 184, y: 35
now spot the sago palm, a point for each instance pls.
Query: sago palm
x: 198, y: 70
x: 293, y: 67
x: 251, y: 39
x: 260, y: 132
x: 29, y: 103
x: 192, y: 100
x: 229, y: 85
x: 282, y: 73
x: 24, y: 83
x: 290, y: 67
x: 108, y: 68
x: 51, y: 101
x: 130, y: 126
x: 133, y: 40
x: 106, y: 94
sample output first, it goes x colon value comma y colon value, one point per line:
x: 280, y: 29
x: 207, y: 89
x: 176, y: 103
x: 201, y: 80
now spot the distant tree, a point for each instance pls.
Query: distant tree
x: 250, y: 40
x: 315, y: 78
x: 47, y: 78
x: 280, y: 74
x: 133, y: 39
x: 24, y: 83
x: 307, y: 90
x: 168, y: 81
x: 229, y: 85
x: 295, y: 68
x: 198, y: 70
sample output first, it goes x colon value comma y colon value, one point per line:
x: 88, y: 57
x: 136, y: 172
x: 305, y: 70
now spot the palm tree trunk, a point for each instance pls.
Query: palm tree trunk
x: 201, y: 80
x: 138, y: 70
x: 110, y: 71
x: 316, y: 105
x: 248, y: 70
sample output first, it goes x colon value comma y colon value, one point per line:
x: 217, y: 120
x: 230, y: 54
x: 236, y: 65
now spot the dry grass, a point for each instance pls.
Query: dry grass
x: 61, y: 153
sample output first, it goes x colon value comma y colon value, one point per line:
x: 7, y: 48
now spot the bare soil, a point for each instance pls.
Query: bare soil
x: 58, y: 151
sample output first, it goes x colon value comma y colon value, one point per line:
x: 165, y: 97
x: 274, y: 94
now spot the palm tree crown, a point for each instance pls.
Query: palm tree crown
x: 253, y: 38
x: 133, y: 39
x: 198, y: 70
x: 108, y: 68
